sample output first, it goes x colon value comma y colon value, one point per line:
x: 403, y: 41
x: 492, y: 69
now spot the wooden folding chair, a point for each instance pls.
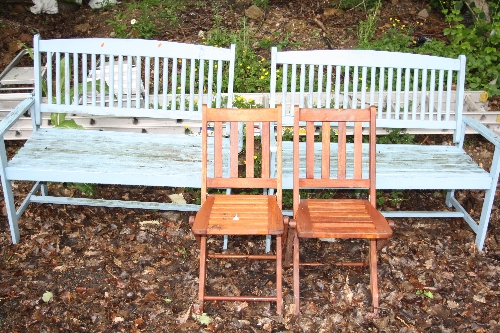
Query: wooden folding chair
x: 240, y: 214
x: 335, y: 166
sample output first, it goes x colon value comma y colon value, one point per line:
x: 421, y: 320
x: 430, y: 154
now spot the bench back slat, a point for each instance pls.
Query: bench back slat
x: 409, y: 90
x: 100, y: 76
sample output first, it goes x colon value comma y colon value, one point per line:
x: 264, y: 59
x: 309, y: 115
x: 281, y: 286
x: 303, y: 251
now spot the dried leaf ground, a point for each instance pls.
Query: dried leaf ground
x: 118, y: 270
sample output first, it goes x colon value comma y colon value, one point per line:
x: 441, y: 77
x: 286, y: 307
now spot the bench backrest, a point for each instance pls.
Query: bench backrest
x: 117, y: 77
x: 409, y: 90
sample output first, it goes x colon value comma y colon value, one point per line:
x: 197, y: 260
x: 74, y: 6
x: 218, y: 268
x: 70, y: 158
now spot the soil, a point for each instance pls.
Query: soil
x: 93, y: 269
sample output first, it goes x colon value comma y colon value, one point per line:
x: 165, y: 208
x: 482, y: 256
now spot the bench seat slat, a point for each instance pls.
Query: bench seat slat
x: 109, y: 158
x: 405, y: 167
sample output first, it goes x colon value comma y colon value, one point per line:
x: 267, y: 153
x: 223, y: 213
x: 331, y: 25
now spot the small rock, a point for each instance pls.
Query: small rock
x: 423, y: 14
x: 80, y: 28
x: 26, y: 38
x: 141, y: 237
x: 294, y: 25
x: 171, y: 216
x: 254, y: 12
x: 333, y: 12
x: 15, y: 46
x: 408, y: 286
x: 306, y: 324
x: 19, y: 8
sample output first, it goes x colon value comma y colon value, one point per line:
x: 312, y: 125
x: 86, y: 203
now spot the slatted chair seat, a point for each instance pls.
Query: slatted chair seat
x: 341, y: 218
x: 240, y: 214
x: 335, y: 218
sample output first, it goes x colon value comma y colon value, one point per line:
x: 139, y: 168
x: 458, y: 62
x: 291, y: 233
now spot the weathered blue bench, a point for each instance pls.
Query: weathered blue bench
x: 119, y: 78
x: 410, y: 91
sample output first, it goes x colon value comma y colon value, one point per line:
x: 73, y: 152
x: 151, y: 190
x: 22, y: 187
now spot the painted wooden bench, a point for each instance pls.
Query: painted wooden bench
x: 176, y: 79
x: 409, y: 91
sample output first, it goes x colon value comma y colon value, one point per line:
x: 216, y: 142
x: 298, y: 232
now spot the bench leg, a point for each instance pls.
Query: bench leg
x: 44, y: 190
x: 10, y: 205
x: 489, y: 196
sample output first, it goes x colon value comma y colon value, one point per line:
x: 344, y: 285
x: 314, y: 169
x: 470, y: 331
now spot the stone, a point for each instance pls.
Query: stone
x: 423, y: 14
x: 80, y: 28
x: 26, y: 38
x: 295, y: 25
x: 171, y: 216
x: 14, y: 46
x: 254, y: 12
x: 332, y: 12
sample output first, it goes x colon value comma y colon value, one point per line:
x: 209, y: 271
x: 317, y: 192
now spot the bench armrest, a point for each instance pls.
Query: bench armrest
x: 14, y: 115
x: 483, y: 130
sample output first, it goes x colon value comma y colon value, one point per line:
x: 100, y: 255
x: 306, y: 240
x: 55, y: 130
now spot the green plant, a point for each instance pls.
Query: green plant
x: 367, y: 28
x: 261, y: 3
x: 424, y: 292
x: 396, y: 136
x: 479, y: 42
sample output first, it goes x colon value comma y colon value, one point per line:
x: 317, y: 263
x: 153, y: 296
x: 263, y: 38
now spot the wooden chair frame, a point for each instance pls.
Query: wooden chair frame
x: 236, y: 214
x: 335, y: 218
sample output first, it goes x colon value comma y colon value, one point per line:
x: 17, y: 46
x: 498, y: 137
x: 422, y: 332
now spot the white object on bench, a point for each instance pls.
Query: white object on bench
x: 177, y: 79
x: 410, y: 91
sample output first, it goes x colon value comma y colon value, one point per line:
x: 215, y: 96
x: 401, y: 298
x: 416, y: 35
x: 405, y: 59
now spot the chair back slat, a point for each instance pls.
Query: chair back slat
x: 325, y: 156
x: 233, y: 151
x: 358, y: 149
x: 249, y: 143
x: 265, y: 144
x: 341, y: 150
x: 355, y: 164
x: 218, y: 149
x: 221, y: 163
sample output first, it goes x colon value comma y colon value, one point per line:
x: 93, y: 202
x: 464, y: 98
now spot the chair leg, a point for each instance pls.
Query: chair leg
x: 203, y: 271
x: 279, y: 275
x: 191, y: 222
x: 374, y: 274
x: 290, y: 234
x: 296, y: 282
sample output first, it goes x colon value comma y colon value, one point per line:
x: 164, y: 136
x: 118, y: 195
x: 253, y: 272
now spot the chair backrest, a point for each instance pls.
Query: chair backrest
x: 220, y: 158
x: 327, y: 165
x: 409, y: 90
x: 119, y: 77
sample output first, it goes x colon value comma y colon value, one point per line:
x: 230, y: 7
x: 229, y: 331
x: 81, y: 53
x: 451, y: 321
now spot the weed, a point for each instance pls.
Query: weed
x: 367, y: 28
x: 396, y: 136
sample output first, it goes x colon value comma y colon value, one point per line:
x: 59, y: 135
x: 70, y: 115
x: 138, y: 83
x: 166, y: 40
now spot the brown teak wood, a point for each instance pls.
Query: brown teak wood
x: 242, y: 214
x: 335, y: 218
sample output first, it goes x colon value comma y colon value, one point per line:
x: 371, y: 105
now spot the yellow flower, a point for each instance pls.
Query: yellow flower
x: 277, y: 71
x: 241, y: 64
x: 254, y: 157
x: 248, y: 67
x: 390, y: 19
x: 250, y: 100
x: 393, y: 25
x: 262, y: 77
x: 179, y: 61
x: 215, y: 66
x: 403, y: 26
x: 267, y: 73
x: 414, y: 42
x: 244, y: 162
x: 263, y: 59
x: 178, y: 88
x: 186, y: 127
